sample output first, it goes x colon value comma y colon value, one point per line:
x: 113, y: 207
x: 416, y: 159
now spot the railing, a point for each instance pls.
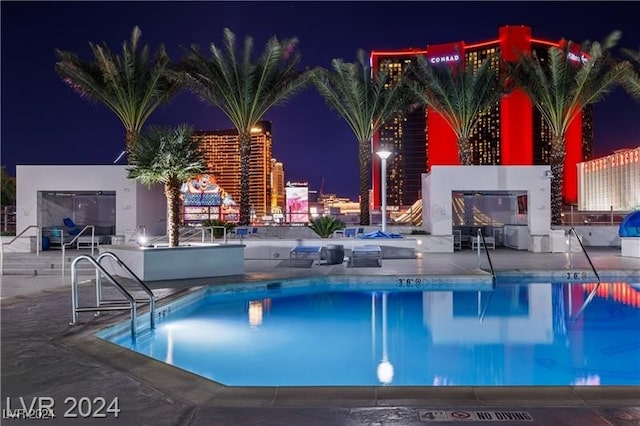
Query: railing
x: 187, y: 232
x: 593, y: 268
x: 482, y: 313
x: 211, y: 228
x: 76, y: 240
x: 9, y: 218
x: 484, y: 244
x: 103, y: 305
x: 100, y: 301
x: 38, y: 243
x: 140, y: 231
x: 75, y: 308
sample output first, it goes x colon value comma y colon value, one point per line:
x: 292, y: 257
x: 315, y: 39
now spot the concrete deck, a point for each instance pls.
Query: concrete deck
x: 42, y: 356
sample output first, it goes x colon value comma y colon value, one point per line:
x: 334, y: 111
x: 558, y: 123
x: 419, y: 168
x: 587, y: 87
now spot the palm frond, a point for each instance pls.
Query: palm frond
x: 130, y: 84
x: 561, y: 87
x: 243, y: 88
x: 631, y: 78
x: 165, y: 154
x: 459, y: 95
x: 365, y: 100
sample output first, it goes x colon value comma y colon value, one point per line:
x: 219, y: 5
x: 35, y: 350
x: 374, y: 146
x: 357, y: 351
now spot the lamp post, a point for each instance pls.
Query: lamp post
x: 384, y: 154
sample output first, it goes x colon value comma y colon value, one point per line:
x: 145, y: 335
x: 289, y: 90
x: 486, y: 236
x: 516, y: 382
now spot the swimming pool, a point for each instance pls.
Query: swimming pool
x: 528, y: 334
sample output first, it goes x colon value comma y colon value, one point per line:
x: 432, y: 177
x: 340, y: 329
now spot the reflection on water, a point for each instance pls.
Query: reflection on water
x: 517, y: 334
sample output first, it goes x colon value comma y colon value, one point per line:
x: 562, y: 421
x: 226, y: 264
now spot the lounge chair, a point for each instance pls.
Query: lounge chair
x: 72, y: 228
x: 477, y: 242
x: 305, y: 253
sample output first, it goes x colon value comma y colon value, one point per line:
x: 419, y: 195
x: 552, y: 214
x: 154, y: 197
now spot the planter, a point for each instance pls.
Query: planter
x: 175, y: 263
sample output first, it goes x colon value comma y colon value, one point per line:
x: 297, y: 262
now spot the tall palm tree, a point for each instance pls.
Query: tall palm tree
x: 244, y: 88
x: 365, y: 101
x: 631, y: 81
x: 130, y: 84
x: 560, y: 86
x: 169, y: 156
x: 459, y: 95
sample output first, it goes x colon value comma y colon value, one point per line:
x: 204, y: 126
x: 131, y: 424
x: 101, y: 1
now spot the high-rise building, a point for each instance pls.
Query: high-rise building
x: 610, y: 182
x: 277, y: 186
x: 405, y: 134
x: 222, y: 158
x: 510, y: 133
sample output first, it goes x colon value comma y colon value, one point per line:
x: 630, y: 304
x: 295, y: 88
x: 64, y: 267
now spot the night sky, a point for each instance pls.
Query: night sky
x: 44, y: 122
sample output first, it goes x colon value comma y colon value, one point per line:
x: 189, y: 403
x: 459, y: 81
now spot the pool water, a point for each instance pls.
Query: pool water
x: 518, y: 334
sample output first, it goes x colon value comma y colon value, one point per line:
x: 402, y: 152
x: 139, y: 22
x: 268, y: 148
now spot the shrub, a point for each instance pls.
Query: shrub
x: 325, y: 225
x: 217, y: 232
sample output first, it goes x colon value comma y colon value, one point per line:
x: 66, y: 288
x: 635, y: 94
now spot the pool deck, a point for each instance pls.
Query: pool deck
x: 42, y: 356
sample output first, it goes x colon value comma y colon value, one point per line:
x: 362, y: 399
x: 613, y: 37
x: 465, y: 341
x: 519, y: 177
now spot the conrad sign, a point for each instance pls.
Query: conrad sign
x: 444, y: 59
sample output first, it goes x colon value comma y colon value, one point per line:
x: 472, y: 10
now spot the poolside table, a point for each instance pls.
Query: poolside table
x: 368, y: 255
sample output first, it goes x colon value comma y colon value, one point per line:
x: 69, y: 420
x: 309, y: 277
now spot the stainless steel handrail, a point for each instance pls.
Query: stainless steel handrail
x: 588, y: 300
x: 484, y: 244
x: 64, y: 245
x: 99, y: 301
x: 483, y: 312
x: 74, y: 294
x: 593, y: 268
x: 211, y: 228
x: 141, y: 230
x: 572, y: 229
x: 38, y: 244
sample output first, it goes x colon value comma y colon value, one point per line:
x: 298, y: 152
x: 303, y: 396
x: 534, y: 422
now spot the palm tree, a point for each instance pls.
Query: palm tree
x: 461, y: 96
x: 631, y: 81
x: 170, y: 156
x: 244, y: 88
x: 365, y: 102
x: 560, y: 87
x: 132, y: 85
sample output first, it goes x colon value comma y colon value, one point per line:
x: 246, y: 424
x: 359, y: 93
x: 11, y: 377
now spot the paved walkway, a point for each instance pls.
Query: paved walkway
x: 42, y: 356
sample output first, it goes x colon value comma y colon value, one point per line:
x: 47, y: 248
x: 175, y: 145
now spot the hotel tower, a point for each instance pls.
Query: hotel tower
x: 222, y: 158
x: 512, y: 132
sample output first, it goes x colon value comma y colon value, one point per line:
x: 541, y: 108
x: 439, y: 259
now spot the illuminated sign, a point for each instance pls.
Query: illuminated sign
x: 445, y: 58
x: 445, y: 54
x: 297, y: 204
x: 577, y: 57
x: 617, y: 159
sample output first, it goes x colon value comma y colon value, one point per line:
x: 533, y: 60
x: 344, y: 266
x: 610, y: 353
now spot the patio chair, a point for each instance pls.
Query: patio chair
x: 313, y: 253
x: 240, y: 232
x: 72, y: 228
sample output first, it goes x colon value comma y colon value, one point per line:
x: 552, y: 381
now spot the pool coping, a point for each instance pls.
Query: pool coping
x: 186, y: 386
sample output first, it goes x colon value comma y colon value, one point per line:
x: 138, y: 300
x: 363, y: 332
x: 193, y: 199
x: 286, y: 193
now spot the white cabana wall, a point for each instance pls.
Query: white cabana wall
x: 135, y: 204
x: 438, y: 185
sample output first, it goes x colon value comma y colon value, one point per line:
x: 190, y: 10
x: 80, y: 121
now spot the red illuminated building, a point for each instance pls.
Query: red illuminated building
x: 511, y: 133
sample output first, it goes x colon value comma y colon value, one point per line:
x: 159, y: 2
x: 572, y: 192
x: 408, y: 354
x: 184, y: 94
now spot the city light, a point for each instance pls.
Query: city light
x: 384, y: 154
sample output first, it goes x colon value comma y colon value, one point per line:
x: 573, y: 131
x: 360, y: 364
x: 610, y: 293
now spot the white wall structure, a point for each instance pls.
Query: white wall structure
x: 611, y: 182
x: 135, y: 205
x: 442, y: 181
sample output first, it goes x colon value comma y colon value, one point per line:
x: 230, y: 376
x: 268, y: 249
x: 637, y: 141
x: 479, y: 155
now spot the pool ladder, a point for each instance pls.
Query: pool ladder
x: 130, y: 303
x: 484, y: 244
x: 593, y: 268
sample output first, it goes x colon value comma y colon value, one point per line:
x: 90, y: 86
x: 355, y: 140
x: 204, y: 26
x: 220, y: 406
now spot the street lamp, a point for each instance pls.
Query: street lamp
x: 384, y: 154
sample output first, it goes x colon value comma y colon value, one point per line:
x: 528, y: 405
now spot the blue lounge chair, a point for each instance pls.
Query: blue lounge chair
x: 305, y: 253
x: 72, y: 228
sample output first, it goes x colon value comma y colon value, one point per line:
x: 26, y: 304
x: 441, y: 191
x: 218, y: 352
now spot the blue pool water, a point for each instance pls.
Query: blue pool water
x: 517, y: 334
